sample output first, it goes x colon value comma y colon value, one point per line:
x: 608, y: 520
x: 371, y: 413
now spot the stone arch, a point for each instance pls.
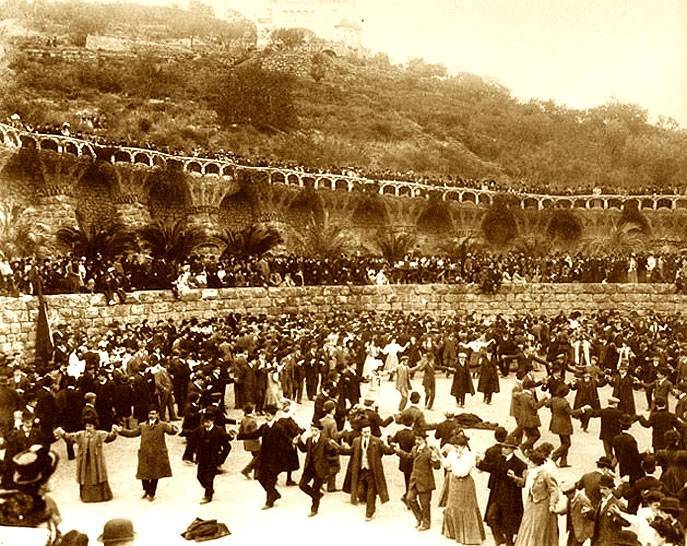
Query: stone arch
x: 681, y: 203
x: 564, y: 204
x: 647, y: 203
x: 388, y: 189
x: 278, y: 177
x: 308, y: 181
x: 664, y: 203
x: 530, y: 203
x: 194, y: 167
x: 228, y: 170
x: 142, y: 158
x: 469, y: 197
x: 122, y: 156
x: 293, y: 179
x: 547, y: 203
x: 370, y: 212
x: 580, y: 204
x: 168, y: 193
x: 70, y: 148
x: 341, y: 184
x: 306, y: 204
x: 405, y: 191
x: 436, y: 218
x: 27, y: 141
x: 485, y: 199
x: 564, y: 225
x: 87, y: 149
x: 212, y: 169
x: 50, y: 144
x: 615, y: 203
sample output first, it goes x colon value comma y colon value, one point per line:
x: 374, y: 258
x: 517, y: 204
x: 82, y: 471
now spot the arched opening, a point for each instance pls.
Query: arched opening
x: 615, y: 204
x: 469, y: 197
x: 194, y: 167
x: 547, y: 203
x: 484, y: 199
x: 647, y: 203
x: 212, y: 168
x: 580, y: 204
x: 142, y: 159
x: 279, y: 178
x: 531, y: 203
x: 405, y: 191
x: 49, y: 144
x: 89, y: 151
x: 388, y: 190
x: 564, y: 204
x: 71, y: 148
x: 308, y: 182
x: 341, y: 185
x: 122, y: 156
x: 159, y: 161
x: 451, y: 196
x: 228, y: 171
x: 664, y: 204
x: 28, y: 142
x: 681, y: 204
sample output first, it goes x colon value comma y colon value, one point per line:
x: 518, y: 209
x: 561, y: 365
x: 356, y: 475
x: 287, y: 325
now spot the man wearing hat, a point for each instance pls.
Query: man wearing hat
x: 590, y: 481
x: 660, y: 420
x: 365, y: 478
x: 316, y: 469
x: 118, y: 532
x: 153, y: 459
x: 21, y: 437
x: 608, y: 525
x: 626, y: 450
x: 610, y: 424
x: 580, y: 515
x: 270, y: 462
x: 210, y: 444
x: 505, y: 510
x: 330, y: 431
x: 424, y: 461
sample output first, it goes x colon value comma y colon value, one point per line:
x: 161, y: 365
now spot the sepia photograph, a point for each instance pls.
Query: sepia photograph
x: 343, y: 272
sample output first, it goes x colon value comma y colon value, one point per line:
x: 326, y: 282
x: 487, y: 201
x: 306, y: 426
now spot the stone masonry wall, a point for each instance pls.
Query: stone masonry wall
x: 89, y: 312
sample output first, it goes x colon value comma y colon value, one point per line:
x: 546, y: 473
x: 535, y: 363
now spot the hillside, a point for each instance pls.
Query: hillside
x: 204, y: 87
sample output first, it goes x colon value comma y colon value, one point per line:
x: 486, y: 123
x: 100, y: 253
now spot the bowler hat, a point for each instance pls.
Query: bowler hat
x: 606, y: 481
x: 509, y: 443
x: 117, y: 530
x: 604, y: 462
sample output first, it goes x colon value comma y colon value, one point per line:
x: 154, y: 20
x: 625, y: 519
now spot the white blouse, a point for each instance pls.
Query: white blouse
x: 460, y: 465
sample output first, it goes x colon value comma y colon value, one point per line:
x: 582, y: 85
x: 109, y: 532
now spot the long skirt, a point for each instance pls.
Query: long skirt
x: 462, y: 518
x: 539, y: 526
x: 99, y: 492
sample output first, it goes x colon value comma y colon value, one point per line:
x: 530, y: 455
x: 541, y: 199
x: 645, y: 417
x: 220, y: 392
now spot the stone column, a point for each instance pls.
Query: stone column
x: 131, y: 194
x: 271, y: 203
x: 466, y: 219
x: 57, y: 183
x: 404, y: 212
x: 340, y: 206
x: 207, y: 194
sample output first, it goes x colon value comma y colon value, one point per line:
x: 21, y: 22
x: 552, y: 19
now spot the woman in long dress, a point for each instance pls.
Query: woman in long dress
x: 539, y: 523
x: 673, y: 461
x: 91, y: 472
x: 273, y: 390
x: 371, y: 368
x: 462, y: 519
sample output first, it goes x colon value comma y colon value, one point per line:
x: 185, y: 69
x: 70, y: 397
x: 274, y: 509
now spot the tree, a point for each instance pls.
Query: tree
x: 395, y: 246
x: 22, y: 233
x: 322, y: 238
x: 255, y: 240
x: 97, y: 240
x: 257, y: 97
x: 621, y: 238
x: 172, y: 241
x: 288, y: 37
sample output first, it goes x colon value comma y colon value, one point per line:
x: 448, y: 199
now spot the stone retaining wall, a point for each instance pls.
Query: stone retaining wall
x: 90, y: 312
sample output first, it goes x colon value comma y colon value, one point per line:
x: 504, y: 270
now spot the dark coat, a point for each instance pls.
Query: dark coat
x: 423, y: 463
x: 507, y: 495
x: 660, y: 421
x: 462, y: 382
x: 607, y: 526
x: 627, y: 454
x: 405, y: 438
x: 444, y: 430
x: 271, y: 457
x: 590, y: 483
x: 587, y: 394
x: 492, y: 457
x: 488, y: 376
x: 46, y: 410
x: 610, y: 422
x: 375, y: 451
x: 560, y: 416
x: 623, y: 391
x: 69, y: 406
x: 291, y: 430
x: 210, y: 447
x: 318, y: 456
x: 153, y: 459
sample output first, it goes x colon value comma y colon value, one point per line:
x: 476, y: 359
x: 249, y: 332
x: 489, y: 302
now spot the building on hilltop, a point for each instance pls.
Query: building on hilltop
x: 336, y: 21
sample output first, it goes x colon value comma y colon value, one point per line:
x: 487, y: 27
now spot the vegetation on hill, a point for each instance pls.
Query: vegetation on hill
x: 346, y: 112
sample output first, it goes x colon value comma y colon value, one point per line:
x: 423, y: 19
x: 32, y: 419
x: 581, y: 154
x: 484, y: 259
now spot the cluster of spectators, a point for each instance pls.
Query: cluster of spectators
x: 72, y: 274
x: 95, y: 121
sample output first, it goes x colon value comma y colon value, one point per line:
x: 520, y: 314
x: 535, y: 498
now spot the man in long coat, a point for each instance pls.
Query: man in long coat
x: 210, y: 444
x: 316, y: 469
x: 365, y: 478
x: 153, y: 459
x: 270, y: 461
x: 505, y: 509
x: 627, y: 452
x: 610, y: 424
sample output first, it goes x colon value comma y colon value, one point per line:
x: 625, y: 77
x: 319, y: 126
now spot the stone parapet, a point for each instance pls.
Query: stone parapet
x: 91, y: 313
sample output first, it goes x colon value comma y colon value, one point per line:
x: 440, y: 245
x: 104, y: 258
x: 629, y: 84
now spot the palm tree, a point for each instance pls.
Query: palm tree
x: 172, y: 241
x: 394, y: 246
x: 622, y: 238
x: 108, y: 239
x: 533, y: 245
x: 22, y: 233
x: 255, y: 240
x: 459, y: 247
x: 323, y: 238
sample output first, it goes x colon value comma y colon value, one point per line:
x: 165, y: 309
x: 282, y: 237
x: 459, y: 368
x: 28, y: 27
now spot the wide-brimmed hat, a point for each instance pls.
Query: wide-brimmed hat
x: 34, y: 466
x: 117, y: 530
x: 510, y: 444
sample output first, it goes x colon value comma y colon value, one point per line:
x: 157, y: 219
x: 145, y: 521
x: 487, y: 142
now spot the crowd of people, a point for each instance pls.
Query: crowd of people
x: 139, y: 380
x: 116, y: 277
x: 93, y: 128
